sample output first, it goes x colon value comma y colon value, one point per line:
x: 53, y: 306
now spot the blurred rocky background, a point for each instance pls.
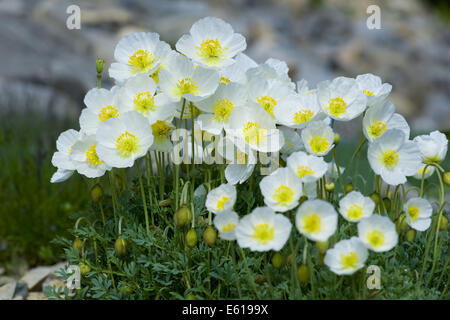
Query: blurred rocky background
x: 46, y: 66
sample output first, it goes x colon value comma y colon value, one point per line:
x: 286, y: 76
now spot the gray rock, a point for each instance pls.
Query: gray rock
x: 36, y: 276
x: 7, y: 291
x: 21, y: 291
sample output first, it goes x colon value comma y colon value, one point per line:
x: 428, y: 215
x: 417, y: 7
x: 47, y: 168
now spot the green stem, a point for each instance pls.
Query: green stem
x: 251, y: 280
x: 144, y: 202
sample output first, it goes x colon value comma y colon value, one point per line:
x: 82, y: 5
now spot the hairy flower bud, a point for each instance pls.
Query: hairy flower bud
x: 191, y: 238
x: 84, y: 268
x: 260, y: 279
x: 410, y: 235
x: 182, y: 217
x: 77, y: 244
x: 120, y: 246
x: 446, y: 178
x: 443, y: 223
x: 348, y: 188
x: 375, y: 197
x: 322, y: 246
x: 337, y: 138
x: 303, y: 273
x: 277, y: 260
x: 401, y: 225
x: 99, y: 63
x: 329, y: 186
x: 210, y: 236
x: 96, y: 193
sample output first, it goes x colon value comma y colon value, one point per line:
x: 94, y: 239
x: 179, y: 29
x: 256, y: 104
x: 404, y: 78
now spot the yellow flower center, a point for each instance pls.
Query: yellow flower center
x: 368, y: 92
x: 127, y: 144
x: 355, y: 212
x: 221, y: 202
x: 264, y: 233
x: 318, y: 144
x: 108, y: 112
x: 303, y: 116
x: 155, y: 75
x: 337, y: 107
x: 389, y: 158
x: 312, y: 223
x: 186, y: 86
x: 349, y: 261
x: 376, y: 129
x: 253, y: 133
x: 211, y: 50
x: 144, y: 102
x: 142, y: 61
x: 92, y: 157
x: 375, y: 238
x: 414, y: 212
x: 268, y: 103
x: 304, y: 171
x: 420, y: 171
x: 160, y: 129
x: 229, y: 227
x: 222, y: 110
x: 283, y: 195
x: 224, y: 80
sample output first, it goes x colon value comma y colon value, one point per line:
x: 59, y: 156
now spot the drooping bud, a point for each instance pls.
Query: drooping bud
x: 182, y: 217
x: 84, y: 268
x: 96, y: 193
x: 410, y: 235
x: 443, y: 223
x: 337, y: 138
x: 401, y: 225
x: 210, y: 236
x: 77, y: 244
x: 375, y: 197
x: 329, y: 186
x: 191, y: 238
x: 120, y: 246
x: 446, y: 178
x: 303, y: 274
x: 348, y: 188
x: 322, y: 246
x: 99, y: 63
x: 277, y: 260
x: 190, y: 296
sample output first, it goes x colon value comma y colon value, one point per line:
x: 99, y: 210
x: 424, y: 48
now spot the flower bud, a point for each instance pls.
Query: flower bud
x: 96, y: 193
x: 410, y: 235
x: 77, y: 244
x: 182, y: 217
x: 401, y: 225
x: 322, y: 246
x: 446, y: 178
x: 348, y: 188
x: 337, y: 138
x: 260, y: 279
x: 191, y: 238
x: 210, y: 236
x: 84, y: 268
x: 329, y: 186
x: 303, y: 273
x: 190, y: 296
x: 443, y: 223
x: 120, y: 246
x: 277, y: 260
x: 387, y: 204
x: 375, y: 197
x: 99, y: 63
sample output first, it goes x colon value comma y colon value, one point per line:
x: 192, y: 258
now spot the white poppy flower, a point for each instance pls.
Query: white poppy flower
x: 308, y: 168
x: 281, y: 190
x: 86, y: 159
x: 418, y: 213
x: 292, y: 142
x: 218, y: 107
x: 372, y: 87
x: 61, y: 158
x: 272, y: 69
x: 267, y: 94
x: 221, y: 198
x: 236, y: 73
x: 297, y: 110
x: 316, y: 220
x: 377, y: 233
x: 381, y: 117
x: 354, y: 206
x: 347, y: 256
x: 318, y: 138
x: 433, y: 147
x: 253, y: 128
x: 394, y: 158
x: 211, y: 43
x: 161, y: 130
x: 123, y: 140
x: 182, y: 79
x: 226, y: 222
x: 341, y: 99
x: 138, y: 94
x: 101, y: 105
x: 263, y: 230
x: 140, y: 52
x: 428, y: 172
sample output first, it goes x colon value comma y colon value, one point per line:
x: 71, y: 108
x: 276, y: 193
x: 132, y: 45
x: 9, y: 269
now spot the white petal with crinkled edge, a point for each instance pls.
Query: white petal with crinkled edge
x: 61, y: 175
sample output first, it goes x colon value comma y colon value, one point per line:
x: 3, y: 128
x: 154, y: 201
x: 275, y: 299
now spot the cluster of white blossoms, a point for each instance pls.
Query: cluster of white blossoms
x: 255, y: 109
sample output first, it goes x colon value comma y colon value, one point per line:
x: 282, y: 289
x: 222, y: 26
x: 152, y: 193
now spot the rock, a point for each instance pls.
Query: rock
x: 5, y: 280
x: 36, y: 276
x: 21, y: 291
x: 36, y: 296
x: 7, y: 291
